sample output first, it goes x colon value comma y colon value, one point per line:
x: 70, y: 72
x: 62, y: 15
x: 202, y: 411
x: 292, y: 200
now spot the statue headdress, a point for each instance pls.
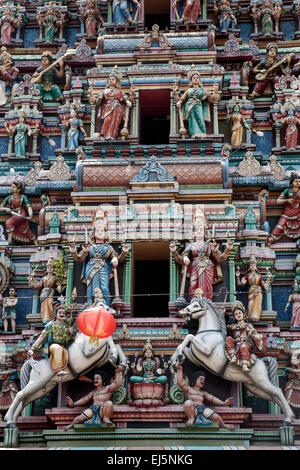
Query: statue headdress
x: 116, y: 73
x: 237, y: 305
x: 193, y: 71
x: 148, y: 345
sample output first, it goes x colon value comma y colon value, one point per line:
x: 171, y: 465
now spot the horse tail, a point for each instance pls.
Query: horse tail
x: 25, y: 374
x: 273, y: 366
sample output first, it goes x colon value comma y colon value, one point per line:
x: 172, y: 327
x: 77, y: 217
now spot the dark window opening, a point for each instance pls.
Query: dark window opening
x: 154, y: 117
x: 151, y: 288
x: 157, y: 12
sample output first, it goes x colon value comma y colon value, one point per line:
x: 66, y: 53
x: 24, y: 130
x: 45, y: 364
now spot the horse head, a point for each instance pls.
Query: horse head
x: 196, y: 309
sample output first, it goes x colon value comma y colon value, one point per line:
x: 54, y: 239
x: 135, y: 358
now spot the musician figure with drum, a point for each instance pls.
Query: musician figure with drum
x: 267, y: 72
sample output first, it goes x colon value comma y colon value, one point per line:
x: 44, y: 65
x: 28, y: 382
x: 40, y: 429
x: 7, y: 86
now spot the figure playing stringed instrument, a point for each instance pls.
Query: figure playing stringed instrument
x: 267, y: 72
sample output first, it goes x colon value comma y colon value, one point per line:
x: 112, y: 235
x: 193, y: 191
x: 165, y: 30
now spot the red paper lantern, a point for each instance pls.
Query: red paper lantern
x: 96, y: 322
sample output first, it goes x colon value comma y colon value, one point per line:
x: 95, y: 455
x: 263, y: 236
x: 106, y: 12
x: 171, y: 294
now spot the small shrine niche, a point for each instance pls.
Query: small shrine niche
x: 154, y: 116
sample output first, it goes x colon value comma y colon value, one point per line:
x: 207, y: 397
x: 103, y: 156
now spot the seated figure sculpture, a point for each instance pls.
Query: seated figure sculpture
x: 57, y: 335
x: 194, y: 408
x: 102, y: 408
x: 238, y: 348
x: 147, y: 385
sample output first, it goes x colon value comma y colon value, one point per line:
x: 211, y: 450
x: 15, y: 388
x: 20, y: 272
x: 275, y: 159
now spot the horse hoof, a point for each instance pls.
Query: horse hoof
x: 286, y: 423
x: 11, y: 426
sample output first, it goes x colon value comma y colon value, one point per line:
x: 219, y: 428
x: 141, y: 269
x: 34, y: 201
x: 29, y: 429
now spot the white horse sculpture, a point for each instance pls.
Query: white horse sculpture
x: 38, y: 379
x: 207, y: 349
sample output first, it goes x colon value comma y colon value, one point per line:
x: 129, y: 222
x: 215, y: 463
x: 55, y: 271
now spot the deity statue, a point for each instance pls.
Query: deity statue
x: 44, y: 77
x: 8, y: 24
x: 191, y: 11
x: 147, y: 369
x: 256, y: 282
x: 99, y: 259
x: 48, y: 283
x: 292, y: 388
x: 295, y: 298
x: 289, y: 223
x: 9, y: 310
x: 225, y: 15
x: 201, y: 259
x: 148, y: 385
x: 9, y: 389
x: 238, y: 348
x: 18, y: 206
x: 113, y: 102
x: 92, y: 18
x: 22, y: 131
x: 237, y: 123
x: 268, y: 14
x: 194, y: 408
x: 50, y: 22
x: 101, y: 410
x: 76, y: 130
x: 8, y: 74
x: 266, y: 72
x: 121, y: 11
x: 56, y: 337
x: 291, y: 133
x: 195, y: 101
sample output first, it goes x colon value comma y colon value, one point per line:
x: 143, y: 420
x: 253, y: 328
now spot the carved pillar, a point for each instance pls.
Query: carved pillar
x: 269, y: 304
x: 127, y: 277
x: 93, y: 120
x: 248, y: 133
x: 135, y: 117
x: 215, y: 118
x: 232, y: 286
x: 35, y: 301
x: 34, y: 143
x: 109, y: 12
x: 10, y: 144
x: 204, y: 11
x: 70, y: 281
x: 63, y: 136
x: 173, y: 116
x: 277, y: 126
x: 173, y: 279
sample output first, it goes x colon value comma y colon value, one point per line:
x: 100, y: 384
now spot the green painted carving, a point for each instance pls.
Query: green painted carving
x: 177, y: 395
x: 119, y: 397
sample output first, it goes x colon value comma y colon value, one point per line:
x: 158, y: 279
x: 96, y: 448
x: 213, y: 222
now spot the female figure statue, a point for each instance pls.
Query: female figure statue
x: 50, y: 21
x: 147, y: 369
x: 195, y: 100
x: 289, y: 223
x: 9, y: 310
x: 295, y: 298
x: 203, y: 260
x: 44, y: 77
x: 9, y: 386
x: 291, y: 133
x: 238, y: 348
x: 17, y: 226
x: 8, y: 24
x: 48, y: 283
x: 76, y: 130
x: 267, y: 18
x: 256, y: 282
x: 92, y: 18
x: 99, y: 258
x: 22, y: 131
x: 237, y: 123
x: 112, y: 105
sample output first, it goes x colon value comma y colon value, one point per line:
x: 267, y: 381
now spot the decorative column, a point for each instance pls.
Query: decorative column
x: 135, y: 116
x: 173, y: 116
x: 215, y: 120
x: 109, y: 12
x: 10, y: 144
x: 127, y: 277
x: 248, y: 133
x: 35, y: 301
x: 93, y: 118
x: 277, y: 126
x: 269, y: 304
x: 232, y: 286
x: 70, y: 281
x: 204, y: 11
x: 63, y: 136
x: 173, y: 278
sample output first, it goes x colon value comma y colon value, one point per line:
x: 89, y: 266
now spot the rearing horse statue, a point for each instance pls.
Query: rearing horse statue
x: 207, y: 349
x: 38, y: 379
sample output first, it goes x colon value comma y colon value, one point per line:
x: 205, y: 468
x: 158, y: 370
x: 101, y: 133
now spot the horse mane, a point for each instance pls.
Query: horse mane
x: 219, y: 314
